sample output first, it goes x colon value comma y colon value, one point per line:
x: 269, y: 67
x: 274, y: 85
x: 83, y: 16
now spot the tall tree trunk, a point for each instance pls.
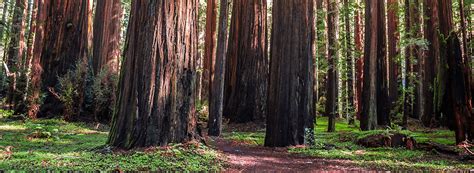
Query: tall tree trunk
x: 156, y: 90
x: 431, y: 55
x: 393, y: 53
x: 332, y: 90
x: 320, y: 50
x: 383, y: 110
x: 247, y: 62
x: 107, y: 30
x: 358, y: 34
x: 416, y: 32
x: 408, y: 91
x: 216, y: 106
x: 106, y: 57
x: 290, y: 120
x: 350, y: 65
x: 62, y: 40
x: 16, y: 51
x: 372, y: 80
x: 453, y: 88
x: 210, y: 48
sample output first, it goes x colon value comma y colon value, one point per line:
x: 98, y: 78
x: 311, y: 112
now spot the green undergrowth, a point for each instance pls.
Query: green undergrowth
x: 60, y: 146
x: 342, y: 145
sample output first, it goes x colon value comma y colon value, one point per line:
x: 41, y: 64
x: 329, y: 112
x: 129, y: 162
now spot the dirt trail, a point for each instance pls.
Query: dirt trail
x: 246, y: 158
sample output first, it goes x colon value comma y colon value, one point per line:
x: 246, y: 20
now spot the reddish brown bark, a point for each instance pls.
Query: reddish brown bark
x: 393, y: 52
x: 157, y: 85
x: 430, y: 58
x: 360, y: 61
x: 107, y: 29
x: 210, y: 48
x: 216, y: 104
x: 247, y: 62
x: 332, y: 90
x: 62, y: 39
x: 16, y: 51
x: 373, y: 65
x: 290, y: 118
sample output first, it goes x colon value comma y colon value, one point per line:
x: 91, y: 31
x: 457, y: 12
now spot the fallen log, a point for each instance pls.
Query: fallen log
x: 396, y: 140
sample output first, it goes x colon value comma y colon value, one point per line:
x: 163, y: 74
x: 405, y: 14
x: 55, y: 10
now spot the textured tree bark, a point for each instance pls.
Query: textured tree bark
x: 453, y: 89
x: 290, y: 120
x: 216, y: 106
x: 156, y: 90
x: 370, y: 99
x: 332, y: 90
x: 393, y: 52
x: 210, y: 49
x: 16, y: 51
x: 360, y: 61
x: 383, y: 110
x: 62, y: 39
x: 350, y: 65
x: 107, y: 30
x: 417, y: 56
x: 431, y: 55
x: 247, y: 63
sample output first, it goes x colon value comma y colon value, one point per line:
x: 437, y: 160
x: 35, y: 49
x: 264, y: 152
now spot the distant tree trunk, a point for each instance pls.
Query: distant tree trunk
x: 416, y: 32
x: 16, y: 51
x: 107, y: 30
x: 62, y: 39
x: 106, y: 56
x: 156, y: 90
x: 431, y: 55
x: 393, y: 53
x: 371, y: 91
x: 216, y: 104
x: 350, y: 65
x: 4, y: 21
x: 332, y: 90
x: 320, y: 50
x: 358, y: 33
x: 247, y: 62
x: 210, y: 48
x: 290, y: 120
x: 383, y: 110
x: 408, y: 100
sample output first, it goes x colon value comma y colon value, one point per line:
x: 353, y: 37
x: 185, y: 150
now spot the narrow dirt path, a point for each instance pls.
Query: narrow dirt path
x: 245, y: 158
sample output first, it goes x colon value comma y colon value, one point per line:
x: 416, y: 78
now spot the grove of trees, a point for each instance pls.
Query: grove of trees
x: 141, y: 66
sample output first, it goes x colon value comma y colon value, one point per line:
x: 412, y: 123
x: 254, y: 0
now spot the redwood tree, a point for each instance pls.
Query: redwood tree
x: 156, y: 89
x: 16, y: 50
x: 332, y: 90
x: 210, y: 48
x: 247, y: 63
x: 62, y: 39
x: 107, y: 30
x: 216, y: 102
x: 393, y: 51
x: 290, y: 120
x: 373, y: 57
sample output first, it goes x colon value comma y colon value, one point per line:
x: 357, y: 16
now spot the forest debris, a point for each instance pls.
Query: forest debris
x: 391, y: 140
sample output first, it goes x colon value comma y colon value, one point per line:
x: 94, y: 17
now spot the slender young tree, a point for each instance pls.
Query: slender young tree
x: 247, y: 62
x: 350, y: 65
x: 156, y: 90
x: 290, y: 120
x: 332, y: 90
x: 216, y: 106
x: 210, y: 48
x: 60, y: 25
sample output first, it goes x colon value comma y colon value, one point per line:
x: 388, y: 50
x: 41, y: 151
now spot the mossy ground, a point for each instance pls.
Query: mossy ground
x: 72, y: 147
x: 341, y: 145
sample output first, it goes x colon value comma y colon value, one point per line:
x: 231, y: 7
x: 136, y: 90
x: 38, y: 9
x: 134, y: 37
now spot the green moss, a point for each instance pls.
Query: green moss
x: 70, y: 146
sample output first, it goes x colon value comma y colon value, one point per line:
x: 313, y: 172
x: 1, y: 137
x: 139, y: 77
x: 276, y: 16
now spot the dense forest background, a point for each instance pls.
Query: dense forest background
x: 165, y: 72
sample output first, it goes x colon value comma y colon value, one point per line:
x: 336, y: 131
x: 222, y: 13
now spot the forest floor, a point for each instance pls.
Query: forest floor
x: 58, y: 145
